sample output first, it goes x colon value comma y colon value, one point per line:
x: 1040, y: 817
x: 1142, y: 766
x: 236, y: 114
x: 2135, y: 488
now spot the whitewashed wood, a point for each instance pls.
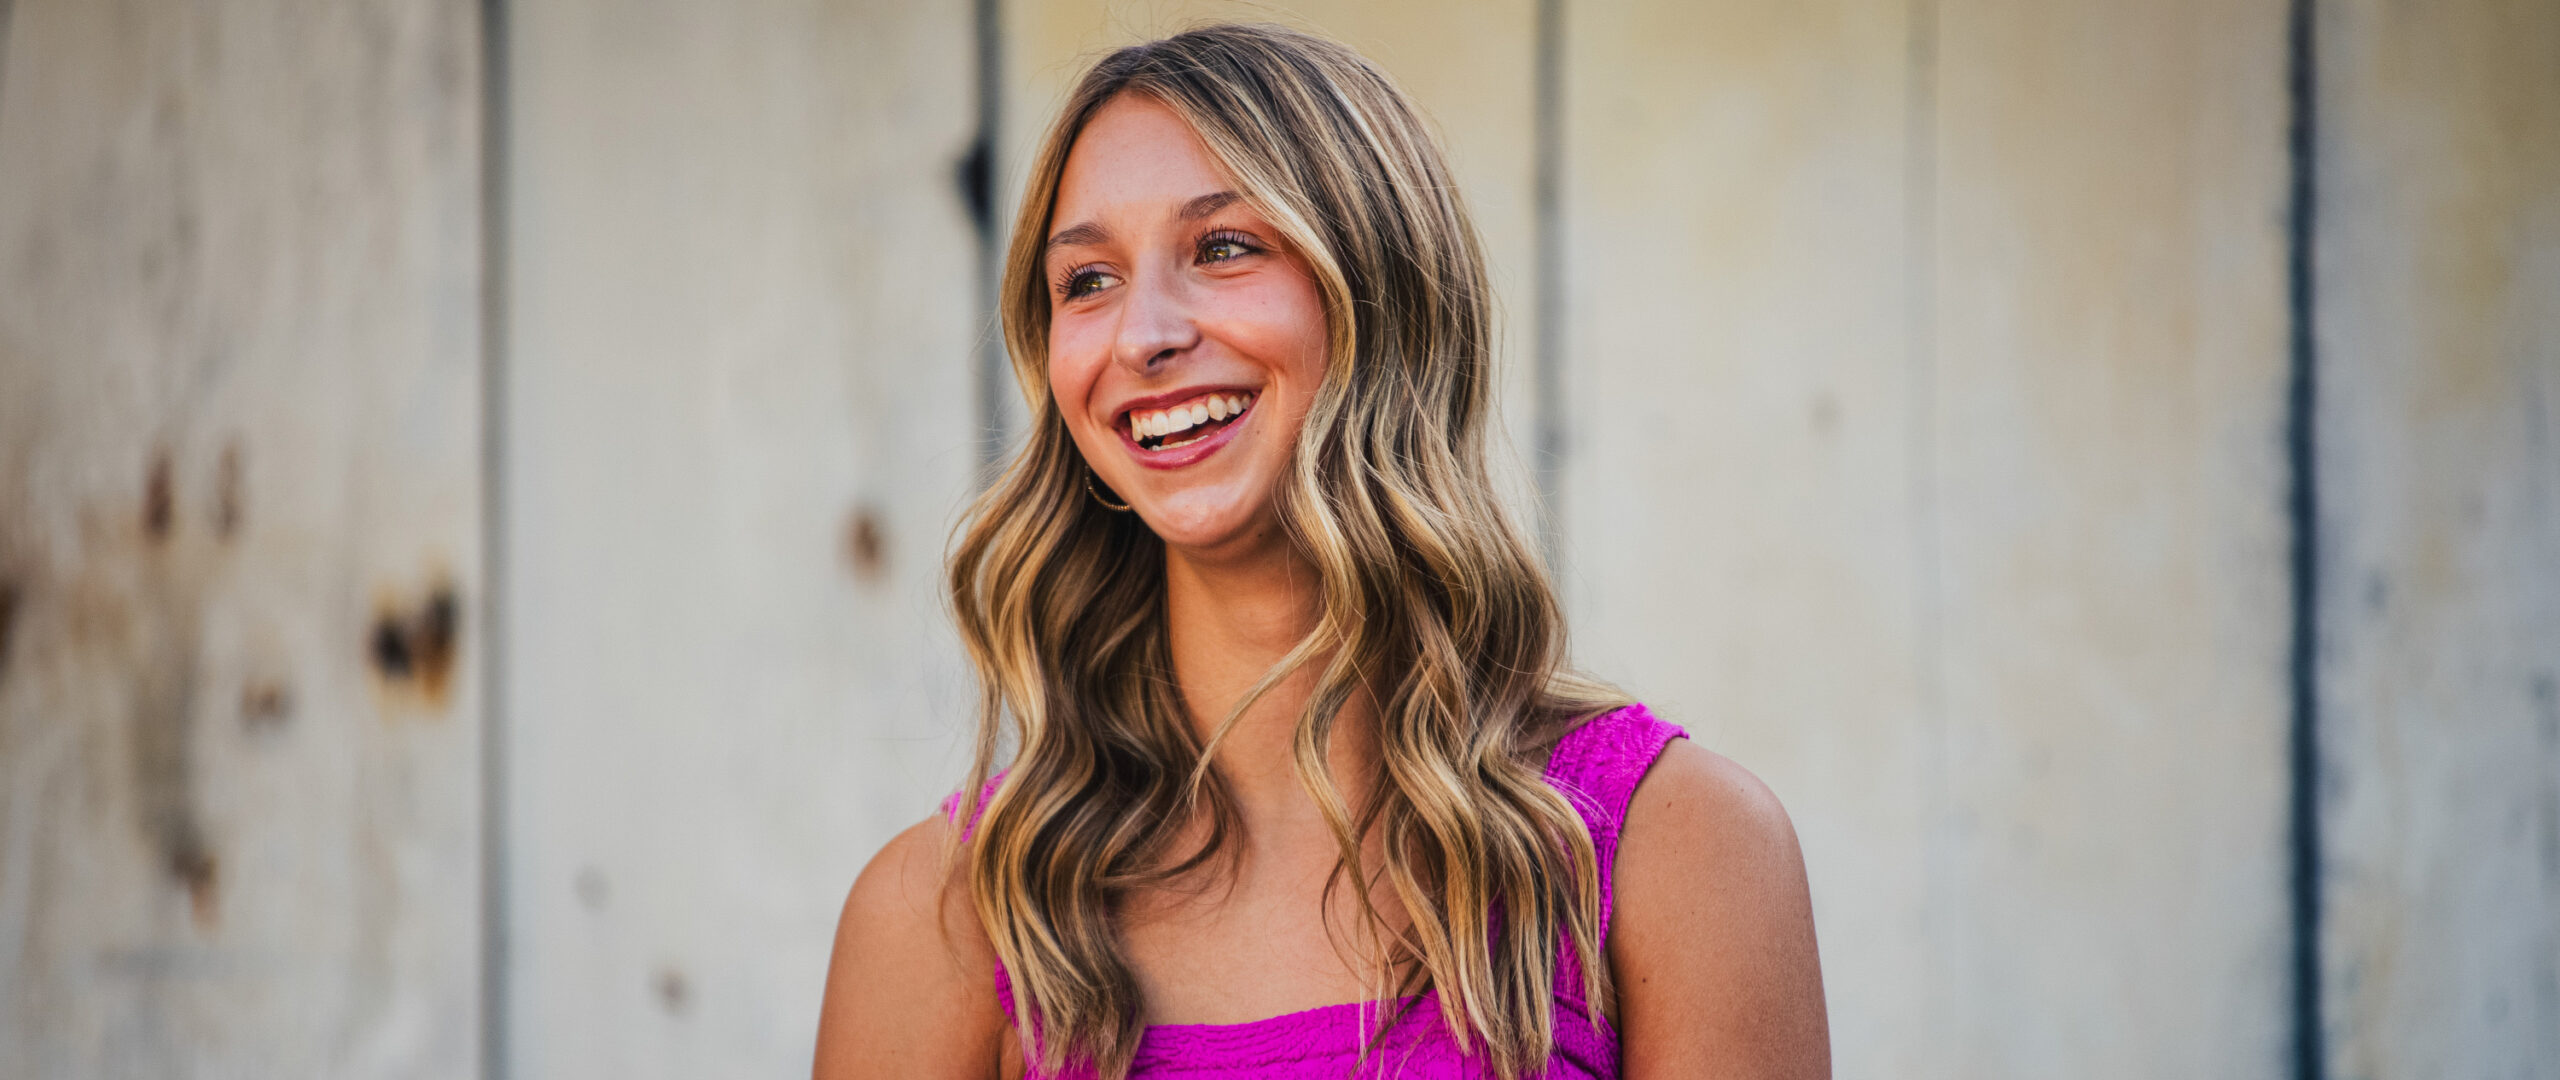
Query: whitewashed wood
x: 741, y: 322
x: 1743, y: 544
x: 2109, y: 358
x: 1925, y: 365
x: 239, y: 414
x: 2438, y: 249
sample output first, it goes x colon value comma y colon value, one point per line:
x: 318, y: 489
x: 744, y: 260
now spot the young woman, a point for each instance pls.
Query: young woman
x: 1300, y: 784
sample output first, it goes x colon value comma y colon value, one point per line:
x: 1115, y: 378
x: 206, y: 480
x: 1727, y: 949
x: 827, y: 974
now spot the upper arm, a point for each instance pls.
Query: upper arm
x: 911, y: 987
x: 1711, y: 938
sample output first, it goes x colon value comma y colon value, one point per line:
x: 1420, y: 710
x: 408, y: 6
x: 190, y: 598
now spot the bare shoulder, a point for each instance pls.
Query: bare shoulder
x: 911, y: 985
x: 1711, y: 940
x: 1695, y: 801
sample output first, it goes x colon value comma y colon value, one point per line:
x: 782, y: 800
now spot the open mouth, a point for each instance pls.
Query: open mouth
x: 1188, y: 422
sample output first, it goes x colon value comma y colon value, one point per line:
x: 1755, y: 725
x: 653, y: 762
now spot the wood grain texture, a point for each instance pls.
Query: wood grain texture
x: 1925, y: 368
x: 1922, y: 373
x: 2438, y: 322
x: 2110, y: 357
x: 739, y: 428
x: 1741, y: 533
x: 239, y: 540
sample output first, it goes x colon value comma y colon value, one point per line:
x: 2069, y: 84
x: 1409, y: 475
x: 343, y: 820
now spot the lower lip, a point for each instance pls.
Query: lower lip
x: 1191, y: 452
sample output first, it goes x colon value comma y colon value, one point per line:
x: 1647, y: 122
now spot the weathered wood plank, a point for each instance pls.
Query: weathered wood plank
x: 1925, y: 363
x: 2438, y: 320
x: 239, y: 540
x: 1740, y: 522
x: 738, y: 428
x: 2109, y: 357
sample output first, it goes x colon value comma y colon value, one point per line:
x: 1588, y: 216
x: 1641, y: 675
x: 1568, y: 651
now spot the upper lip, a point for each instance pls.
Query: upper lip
x: 1120, y: 416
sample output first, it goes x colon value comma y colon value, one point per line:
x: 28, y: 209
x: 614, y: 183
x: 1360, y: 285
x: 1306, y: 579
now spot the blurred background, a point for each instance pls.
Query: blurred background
x: 473, y: 478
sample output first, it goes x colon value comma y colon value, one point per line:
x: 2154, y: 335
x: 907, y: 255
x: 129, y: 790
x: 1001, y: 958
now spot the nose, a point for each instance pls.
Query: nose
x: 1155, y: 323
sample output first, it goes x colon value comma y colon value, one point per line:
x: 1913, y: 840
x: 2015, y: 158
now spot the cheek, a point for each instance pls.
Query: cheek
x: 1296, y: 340
x: 1074, y: 366
x: 1310, y: 343
x: 1282, y: 325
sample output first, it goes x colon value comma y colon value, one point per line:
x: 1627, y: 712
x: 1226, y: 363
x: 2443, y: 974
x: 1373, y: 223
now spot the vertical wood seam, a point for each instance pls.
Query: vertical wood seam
x: 8, y: 15
x: 494, y: 879
x: 978, y: 182
x: 1920, y: 274
x: 1548, y: 305
x: 1920, y: 284
x: 2302, y: 523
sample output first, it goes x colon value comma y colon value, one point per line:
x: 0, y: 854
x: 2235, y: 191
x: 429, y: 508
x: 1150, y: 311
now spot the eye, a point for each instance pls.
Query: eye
x: 1081, y: 282
x: 1218, y: 247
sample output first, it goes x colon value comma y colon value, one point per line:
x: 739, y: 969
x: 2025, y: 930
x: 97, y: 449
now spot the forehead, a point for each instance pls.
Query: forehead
x: 1136, y: 157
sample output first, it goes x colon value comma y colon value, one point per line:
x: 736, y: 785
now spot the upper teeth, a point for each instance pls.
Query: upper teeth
x: 1157, y: 423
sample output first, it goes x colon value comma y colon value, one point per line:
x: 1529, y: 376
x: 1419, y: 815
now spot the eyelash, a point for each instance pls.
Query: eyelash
x: 1244, y: 244
x: 1068, y: 282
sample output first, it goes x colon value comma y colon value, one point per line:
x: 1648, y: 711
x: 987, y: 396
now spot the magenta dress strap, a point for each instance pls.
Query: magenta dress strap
x: 1596, y: 767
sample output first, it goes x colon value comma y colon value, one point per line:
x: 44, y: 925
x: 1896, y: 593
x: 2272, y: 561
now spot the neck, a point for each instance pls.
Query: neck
x: 1231, y: 617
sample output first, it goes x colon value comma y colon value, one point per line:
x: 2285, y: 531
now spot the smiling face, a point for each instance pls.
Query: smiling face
x: 1186, y: 337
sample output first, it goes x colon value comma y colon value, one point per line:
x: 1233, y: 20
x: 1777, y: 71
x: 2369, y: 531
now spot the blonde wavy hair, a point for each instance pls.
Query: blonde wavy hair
x: 1434, y: 604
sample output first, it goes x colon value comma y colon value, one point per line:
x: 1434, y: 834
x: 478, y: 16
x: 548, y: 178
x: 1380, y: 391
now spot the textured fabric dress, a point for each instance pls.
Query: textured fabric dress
x: 1596, y: 767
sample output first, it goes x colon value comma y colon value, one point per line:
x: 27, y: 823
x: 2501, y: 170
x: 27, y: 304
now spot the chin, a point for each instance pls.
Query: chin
x: 1211, y: 521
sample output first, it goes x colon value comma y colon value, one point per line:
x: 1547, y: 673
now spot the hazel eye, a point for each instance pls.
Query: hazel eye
x: 1081, y: 283
x: 1222, y: 247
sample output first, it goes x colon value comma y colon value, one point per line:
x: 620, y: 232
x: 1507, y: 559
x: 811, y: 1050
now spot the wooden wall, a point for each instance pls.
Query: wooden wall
x: 240, y: 540
x: 738, y: 424
x: 2438, y: 321
x: 1923, y: 392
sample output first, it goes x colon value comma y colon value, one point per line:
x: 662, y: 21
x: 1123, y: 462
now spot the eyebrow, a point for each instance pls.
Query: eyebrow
x: 1089, y: 233
x: 1208, y: 204
x: 1078, y: 236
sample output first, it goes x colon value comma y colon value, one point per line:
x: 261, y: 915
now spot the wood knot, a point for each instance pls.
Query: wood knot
x: 414, y: 647
x: 159, y: 498
x: 866, y: 544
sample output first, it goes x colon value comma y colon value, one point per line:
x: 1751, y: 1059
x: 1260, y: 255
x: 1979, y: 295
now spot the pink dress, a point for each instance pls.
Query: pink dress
x: 1596, y: 767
